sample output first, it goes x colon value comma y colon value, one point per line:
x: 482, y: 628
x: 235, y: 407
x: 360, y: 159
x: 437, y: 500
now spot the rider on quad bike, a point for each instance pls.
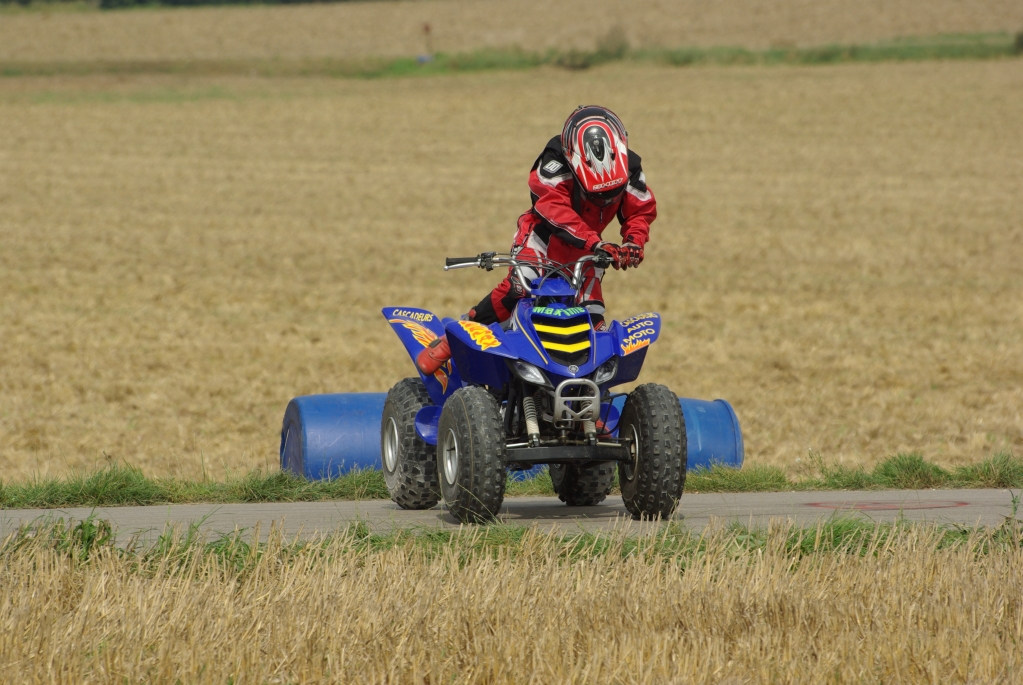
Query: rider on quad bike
x: 582, y: 180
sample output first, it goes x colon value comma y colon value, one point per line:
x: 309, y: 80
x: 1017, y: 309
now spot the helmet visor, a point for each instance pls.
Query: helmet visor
x: 608, y: 197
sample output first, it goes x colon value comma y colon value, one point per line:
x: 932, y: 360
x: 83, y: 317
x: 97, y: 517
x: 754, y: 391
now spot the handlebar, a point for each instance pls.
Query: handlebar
x: 488, y: 260
x: 460, y: 261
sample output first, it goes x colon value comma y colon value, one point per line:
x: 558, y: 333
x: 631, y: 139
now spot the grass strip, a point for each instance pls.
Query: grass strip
x: 942, y: 47
x: 242, y: 549
x: 898, y: 472
x: 125, y: 485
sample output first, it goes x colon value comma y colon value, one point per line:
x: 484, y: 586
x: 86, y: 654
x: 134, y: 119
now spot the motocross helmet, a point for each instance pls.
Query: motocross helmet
x: 596, y: 145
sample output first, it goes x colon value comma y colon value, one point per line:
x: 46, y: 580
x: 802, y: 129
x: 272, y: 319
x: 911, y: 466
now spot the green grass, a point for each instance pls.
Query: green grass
x: 899, y: 472
x: 119, y: 485
x: 14, y: 7
x: 612, y: 48
x: 958, y: 46
x: 242, y: 549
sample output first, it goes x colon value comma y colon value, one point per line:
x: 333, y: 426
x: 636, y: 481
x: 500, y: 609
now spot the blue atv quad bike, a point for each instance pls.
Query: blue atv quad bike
x: 534, y: 391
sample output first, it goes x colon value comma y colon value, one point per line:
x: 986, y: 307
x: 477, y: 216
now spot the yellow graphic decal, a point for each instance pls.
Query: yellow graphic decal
x: 630, y: 347
x: 559, y: 347
x: 423, y: 335
x: 480, y: 334
x: 561, y: 331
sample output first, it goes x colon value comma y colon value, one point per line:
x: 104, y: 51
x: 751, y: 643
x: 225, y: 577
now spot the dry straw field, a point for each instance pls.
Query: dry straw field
x: 729, y: 609
x: 839, y: 251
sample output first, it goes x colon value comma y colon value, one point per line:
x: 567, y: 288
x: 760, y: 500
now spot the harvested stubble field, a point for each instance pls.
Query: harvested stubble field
x: 842, y: 603
x: 839, y: 250
x: 355, y: 30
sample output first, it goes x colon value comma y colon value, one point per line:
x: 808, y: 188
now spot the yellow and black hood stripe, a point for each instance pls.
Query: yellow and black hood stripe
x: 566, y: 340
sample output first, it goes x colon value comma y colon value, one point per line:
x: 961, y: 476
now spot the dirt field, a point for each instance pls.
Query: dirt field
x: 359, y: 29
x: 906, y: 611
x: 839, y: 251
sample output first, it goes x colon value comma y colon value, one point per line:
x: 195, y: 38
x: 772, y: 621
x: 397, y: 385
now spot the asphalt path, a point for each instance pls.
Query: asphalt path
x: 964, y: 507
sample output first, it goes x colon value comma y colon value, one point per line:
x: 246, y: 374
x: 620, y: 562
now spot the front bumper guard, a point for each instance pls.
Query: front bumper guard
x: 582, y: 406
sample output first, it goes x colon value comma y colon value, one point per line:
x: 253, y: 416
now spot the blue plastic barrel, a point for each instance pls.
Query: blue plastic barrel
x: 324, y: 436
x: 713, y: 435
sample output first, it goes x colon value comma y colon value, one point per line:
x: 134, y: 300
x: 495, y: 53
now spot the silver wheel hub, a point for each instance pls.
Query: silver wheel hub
x: 391, y: 446
x: 630, y: 468
x: 450, y: 457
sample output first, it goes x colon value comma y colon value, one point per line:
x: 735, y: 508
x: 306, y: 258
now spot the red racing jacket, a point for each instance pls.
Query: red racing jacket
x: 560, y: 210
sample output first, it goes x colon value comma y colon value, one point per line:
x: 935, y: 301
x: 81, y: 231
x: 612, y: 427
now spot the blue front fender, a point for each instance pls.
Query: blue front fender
x: 632, y: 339
x: 637, y: 332
x: 479, y: 351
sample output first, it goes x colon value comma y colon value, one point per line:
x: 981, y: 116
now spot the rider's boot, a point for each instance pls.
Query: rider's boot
x: 436, y: 354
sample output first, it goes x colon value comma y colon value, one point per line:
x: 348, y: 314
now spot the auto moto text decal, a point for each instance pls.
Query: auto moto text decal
x: 639, y: 332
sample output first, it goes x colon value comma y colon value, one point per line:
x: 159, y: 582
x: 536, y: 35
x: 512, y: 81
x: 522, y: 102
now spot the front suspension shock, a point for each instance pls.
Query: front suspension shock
x: 532, y: 425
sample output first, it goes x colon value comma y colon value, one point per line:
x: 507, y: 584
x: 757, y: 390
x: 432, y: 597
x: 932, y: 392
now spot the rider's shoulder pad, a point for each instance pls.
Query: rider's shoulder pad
x: 551, y: 164
x: 637, y: 179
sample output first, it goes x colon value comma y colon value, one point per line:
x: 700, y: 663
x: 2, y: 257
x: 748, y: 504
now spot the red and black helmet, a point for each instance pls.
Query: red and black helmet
x: 596, y: 145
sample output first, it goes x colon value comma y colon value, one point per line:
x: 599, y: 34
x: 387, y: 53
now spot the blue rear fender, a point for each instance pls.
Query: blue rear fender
x: 417, y: 328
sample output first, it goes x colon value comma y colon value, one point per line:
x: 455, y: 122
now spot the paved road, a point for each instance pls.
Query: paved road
x: 968, y: 507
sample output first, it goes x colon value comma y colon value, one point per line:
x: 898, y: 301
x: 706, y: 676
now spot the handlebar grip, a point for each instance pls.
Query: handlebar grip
x: 456, y: 261
x: 601, y: 259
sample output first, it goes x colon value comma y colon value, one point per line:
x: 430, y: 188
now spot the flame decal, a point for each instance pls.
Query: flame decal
x: 629, y: 348
x: 423, y: 335
x: 442, y: 378
x: 480, y: 334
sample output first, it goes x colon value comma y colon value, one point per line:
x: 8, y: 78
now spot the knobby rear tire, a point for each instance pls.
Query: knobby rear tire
x: 583, y: 485
x: 412, y: 479
x: 473, y: 481
x: 652, y: 485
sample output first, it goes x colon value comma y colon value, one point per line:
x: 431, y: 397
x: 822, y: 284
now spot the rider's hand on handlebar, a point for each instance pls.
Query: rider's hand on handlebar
x: 633, y: 255
x: 609, y: 254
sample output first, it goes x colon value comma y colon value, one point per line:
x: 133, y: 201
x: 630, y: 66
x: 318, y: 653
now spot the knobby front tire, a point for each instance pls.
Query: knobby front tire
x: 652, y: 483
x: 471, y: 455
